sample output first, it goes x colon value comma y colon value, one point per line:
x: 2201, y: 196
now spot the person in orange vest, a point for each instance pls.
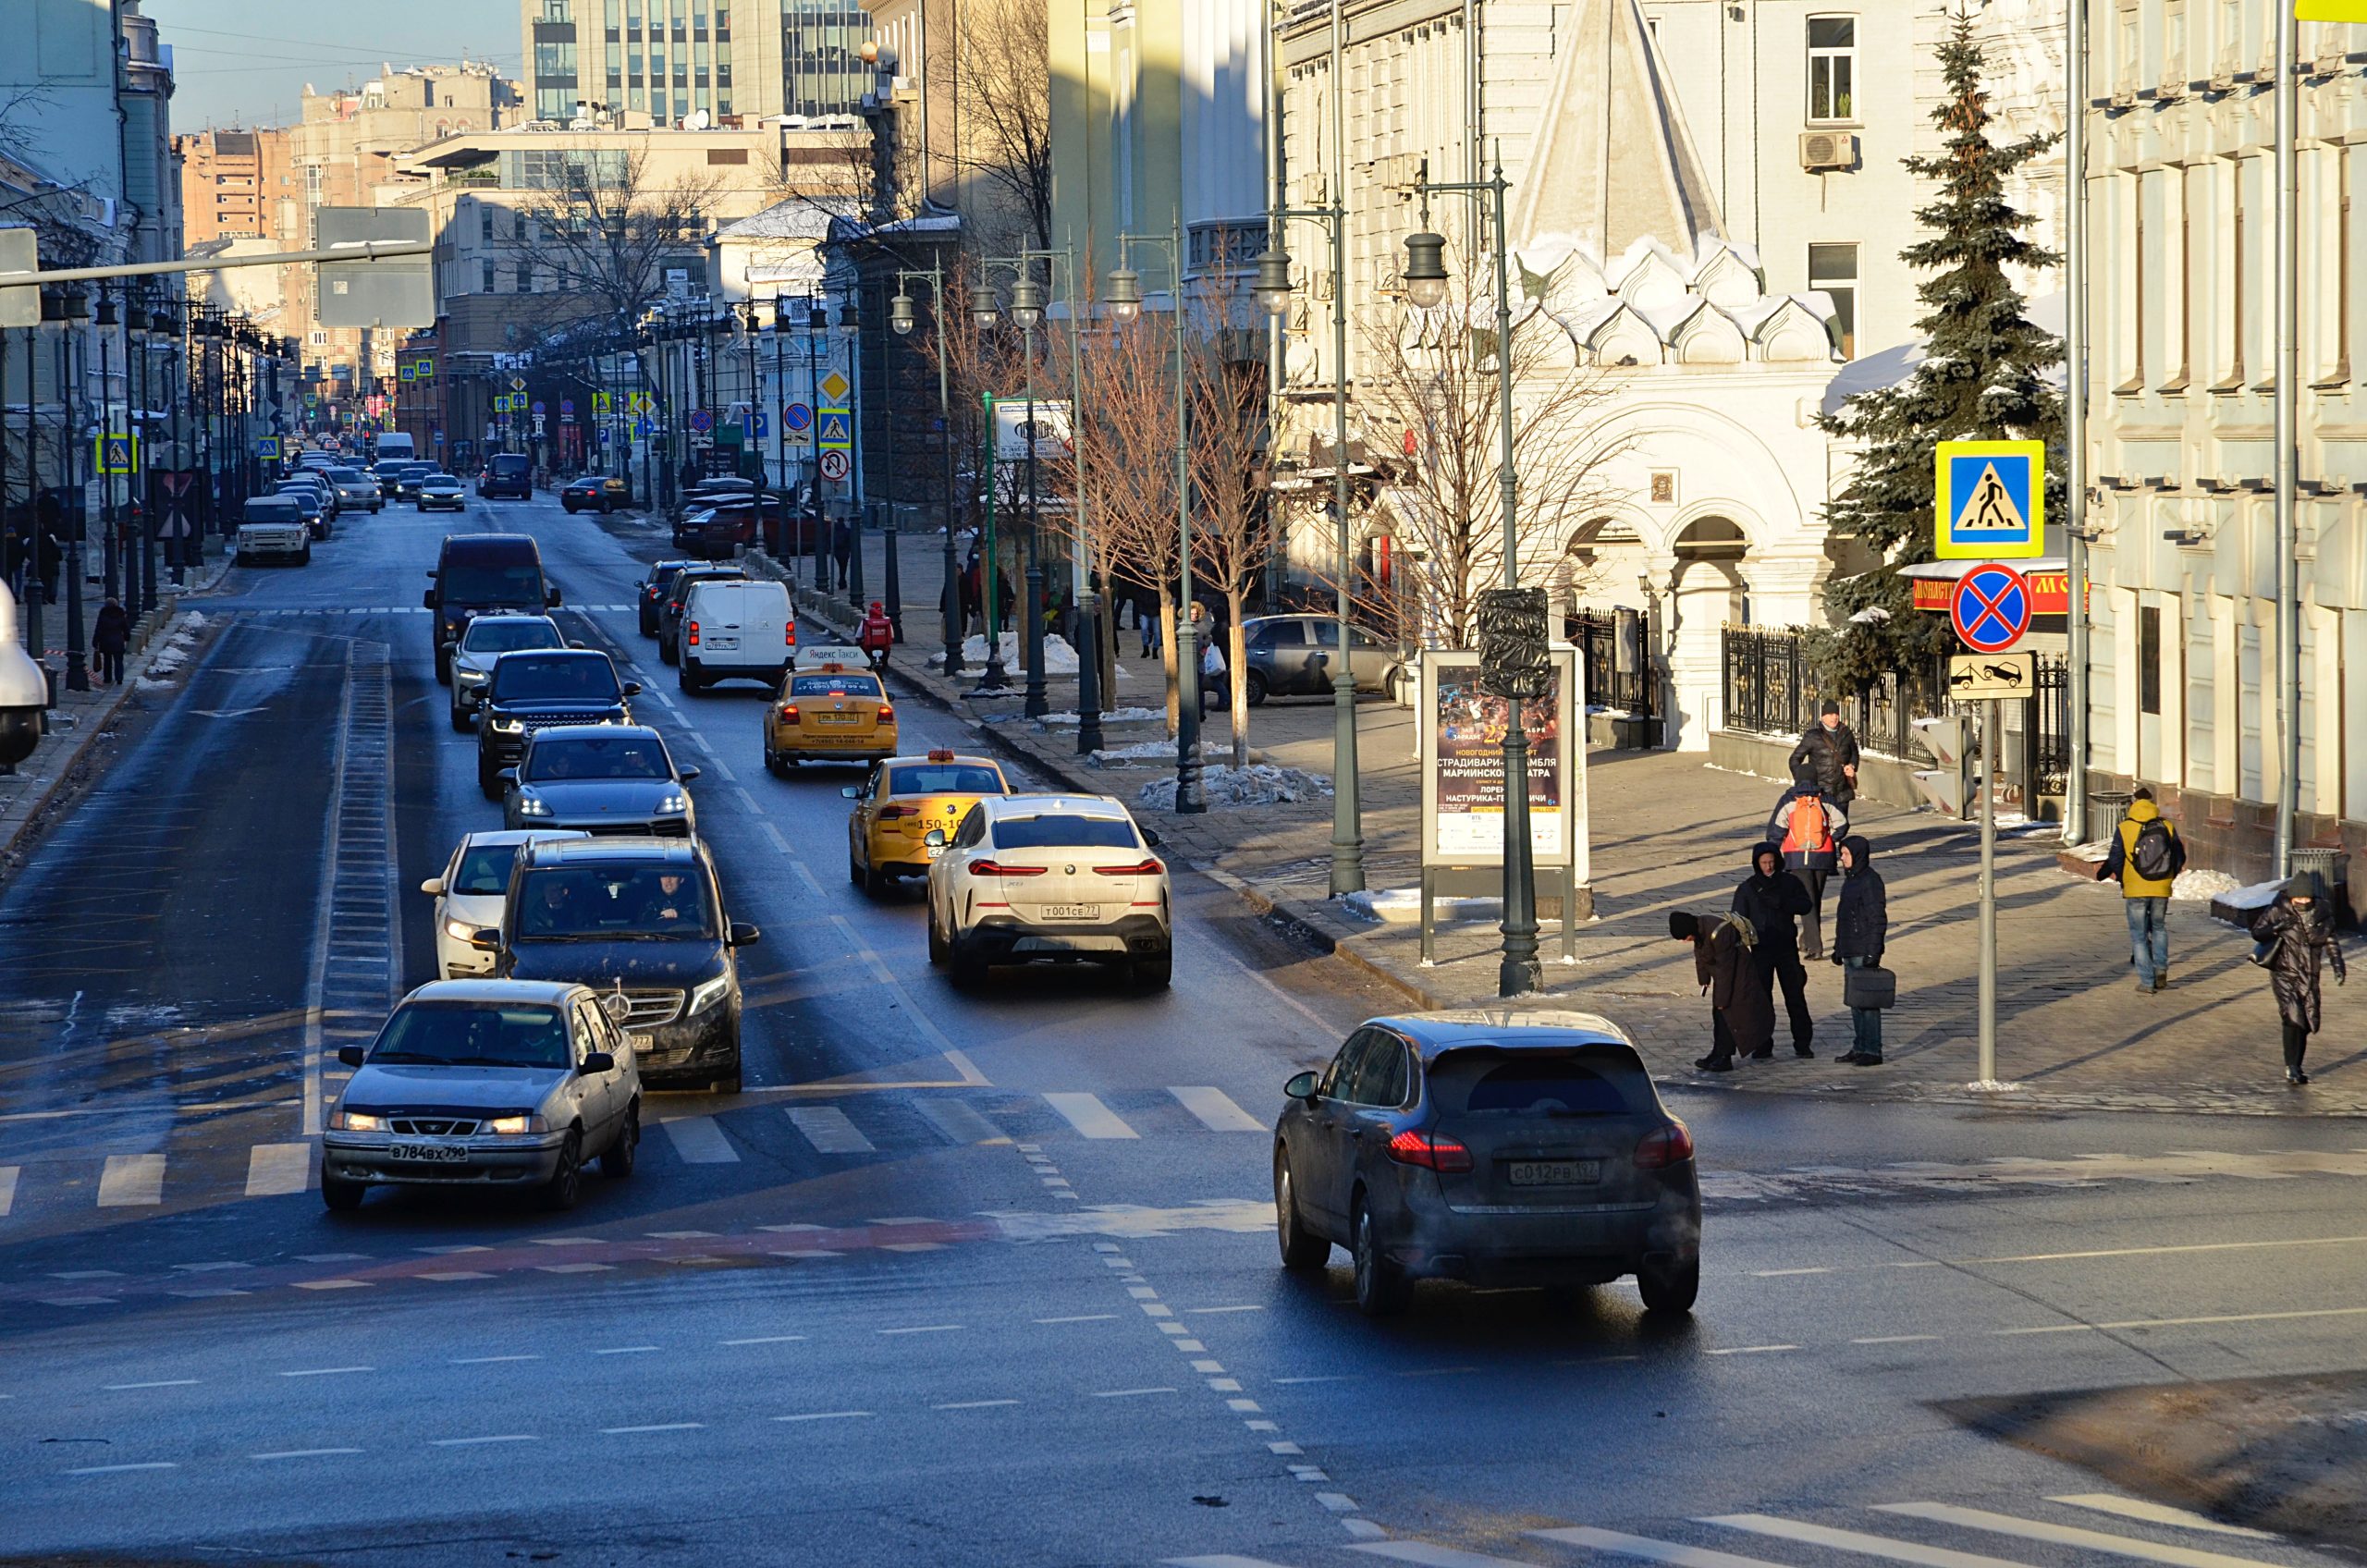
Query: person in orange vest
x: 1807, y: 829
x: 877, y: 635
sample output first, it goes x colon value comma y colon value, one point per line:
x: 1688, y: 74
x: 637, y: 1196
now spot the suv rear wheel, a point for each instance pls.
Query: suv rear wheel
x: 1382, y: 1290
x: 1670, y: 1289
x: 1303, y: 1250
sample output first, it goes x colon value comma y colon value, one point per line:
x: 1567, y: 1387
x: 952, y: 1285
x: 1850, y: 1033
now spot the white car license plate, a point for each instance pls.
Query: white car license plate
x: 1556, y: 1172
x: 429, y: 1154
x: 1071, y: 912
x: 935, y: 851
x: 642, y: 1042
x: 724, y: 644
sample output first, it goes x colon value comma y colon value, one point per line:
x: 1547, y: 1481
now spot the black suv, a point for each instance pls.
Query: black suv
x: 508, y: 473
x: 644, y: 916
x: 678, y: 594
x: 536, y: 690
x: 653, y: 592
x: 481, y: 573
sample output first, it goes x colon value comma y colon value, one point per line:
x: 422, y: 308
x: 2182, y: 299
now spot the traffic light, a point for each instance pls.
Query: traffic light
x: 1943, y: 786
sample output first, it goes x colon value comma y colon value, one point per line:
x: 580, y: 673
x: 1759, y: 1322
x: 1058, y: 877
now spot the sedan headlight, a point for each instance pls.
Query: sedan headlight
x: 357, y: 1121
x: 513, y: 1126
x: 460, y: 930
x: 509, y: 726
x: 706, y: 993
x: 674, y: 804
x: 472, y: 676
x: 532, y: 805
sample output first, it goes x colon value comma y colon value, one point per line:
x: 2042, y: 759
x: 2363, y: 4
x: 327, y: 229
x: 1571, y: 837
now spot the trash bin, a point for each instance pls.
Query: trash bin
x: 2106, y: 807
x: 2332, y: 868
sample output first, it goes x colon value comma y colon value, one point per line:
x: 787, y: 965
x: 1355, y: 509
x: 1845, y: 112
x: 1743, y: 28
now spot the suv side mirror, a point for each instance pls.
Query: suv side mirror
x: 744, y: 935
x: 351, y: 1056
x: 1301, y: 1086
x: 427, y: 600
x: 1150, y: 837
x: 631, y: 688
x: 596, y: 1062
x: 507, y: 776
x: 686, y: 774
x: 936, y: 839
x: 550, y: 598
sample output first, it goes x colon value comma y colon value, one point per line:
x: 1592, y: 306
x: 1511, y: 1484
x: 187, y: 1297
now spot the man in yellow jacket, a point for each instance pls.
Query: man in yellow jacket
x: 2147, y: 855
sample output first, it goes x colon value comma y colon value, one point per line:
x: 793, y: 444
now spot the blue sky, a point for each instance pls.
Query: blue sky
x: 246, y: 61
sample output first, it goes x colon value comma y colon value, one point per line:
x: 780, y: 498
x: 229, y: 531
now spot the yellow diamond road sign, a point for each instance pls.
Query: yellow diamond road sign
x: 835, y: 386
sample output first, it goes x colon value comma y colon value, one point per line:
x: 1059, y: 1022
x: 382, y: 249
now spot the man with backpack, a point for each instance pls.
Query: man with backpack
x: 2147, y: 855
x: 1807, y: 829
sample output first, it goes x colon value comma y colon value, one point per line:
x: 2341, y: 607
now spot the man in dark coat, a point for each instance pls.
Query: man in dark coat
x: 1808, y: 829
x: 110, y: 635
x: 1773, y: 900
x: 1828, y: 752
x: 1861, y: 927
x: 2299, y: 929
x: 1741, y: 1017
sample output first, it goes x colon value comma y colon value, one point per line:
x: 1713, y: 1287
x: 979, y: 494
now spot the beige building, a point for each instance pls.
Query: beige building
x: 237, y: 185
x: 940, y: 129
x: 693, y: 63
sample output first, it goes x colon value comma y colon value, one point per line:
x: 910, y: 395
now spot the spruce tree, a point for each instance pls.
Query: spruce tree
x: 1983, y: 377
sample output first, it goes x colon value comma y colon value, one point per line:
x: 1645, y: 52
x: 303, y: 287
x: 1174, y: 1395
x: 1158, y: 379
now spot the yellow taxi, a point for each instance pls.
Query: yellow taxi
x: 830, y: 712
x: 904, y: 799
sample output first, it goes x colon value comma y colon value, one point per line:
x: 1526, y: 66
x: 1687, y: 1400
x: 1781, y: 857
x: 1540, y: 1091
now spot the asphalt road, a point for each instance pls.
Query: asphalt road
x: 973, y: 1280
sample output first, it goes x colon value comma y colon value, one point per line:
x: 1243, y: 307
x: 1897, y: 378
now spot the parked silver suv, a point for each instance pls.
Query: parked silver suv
x: 486, y: 1082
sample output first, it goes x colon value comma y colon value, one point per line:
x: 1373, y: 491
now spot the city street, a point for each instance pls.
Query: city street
x: 985, y: 1278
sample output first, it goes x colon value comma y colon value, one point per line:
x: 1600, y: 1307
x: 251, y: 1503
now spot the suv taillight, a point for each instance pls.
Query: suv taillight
x: 1429, y: 1150
x: 1140, y: 868
x: 1671, y: 1144
x: 997, y: 868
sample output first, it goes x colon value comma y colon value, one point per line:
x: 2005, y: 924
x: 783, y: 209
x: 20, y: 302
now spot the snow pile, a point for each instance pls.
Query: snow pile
x: 1259, y: 784
x: 1403, y: 906
x: 1155, y: 751
x: 141, y: 683
x: 1059, y: 657
x: 2259, y: 895
x: 1109, y: 716
x: 2200, y: 886
x: 2095, y: 851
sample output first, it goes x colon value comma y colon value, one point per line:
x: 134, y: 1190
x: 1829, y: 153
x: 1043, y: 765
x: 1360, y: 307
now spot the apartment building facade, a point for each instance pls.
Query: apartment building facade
x: 638, y: 63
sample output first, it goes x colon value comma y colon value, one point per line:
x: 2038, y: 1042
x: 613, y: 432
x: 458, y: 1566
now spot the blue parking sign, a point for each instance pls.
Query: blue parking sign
x: 756, y: 425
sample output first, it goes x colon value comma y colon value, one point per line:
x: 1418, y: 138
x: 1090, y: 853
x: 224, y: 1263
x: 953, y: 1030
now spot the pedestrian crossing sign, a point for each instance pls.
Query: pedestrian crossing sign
x: 837, y: 430
x: 267, y: 446
x: 600, y: 403
x: 1990, y: 500
x: 118, y: 453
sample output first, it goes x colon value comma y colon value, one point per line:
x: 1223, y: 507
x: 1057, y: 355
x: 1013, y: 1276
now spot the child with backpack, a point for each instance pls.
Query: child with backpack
x: 2147, y: 855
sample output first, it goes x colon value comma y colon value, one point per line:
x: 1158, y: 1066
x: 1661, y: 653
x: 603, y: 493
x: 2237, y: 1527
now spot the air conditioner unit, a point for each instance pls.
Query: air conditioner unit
x: 1828, y: 150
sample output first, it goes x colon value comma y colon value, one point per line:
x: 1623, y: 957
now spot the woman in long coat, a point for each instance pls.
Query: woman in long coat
x: 1742, y: 1014
x: 2299, y: 929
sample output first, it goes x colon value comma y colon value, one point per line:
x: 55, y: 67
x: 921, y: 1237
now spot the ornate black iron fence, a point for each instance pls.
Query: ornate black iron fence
x: 1615, y: 679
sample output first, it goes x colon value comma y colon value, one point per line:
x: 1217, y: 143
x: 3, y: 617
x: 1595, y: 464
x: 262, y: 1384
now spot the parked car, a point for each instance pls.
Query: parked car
x: 486, y: 1082
x: 540, y: 691
x: 473, y: 894
x: 273, y: 528
x: 487, y: 638
x: 602, y: 493
x: 315, y: 480
x: 1293, y: 655
x: 1063, y: 878
x: 717, y: 530
x: 744, y: 628
x: 1488, y: 1145
x: 307, y: 502
x: 482, y: 573
x: 602, y: 779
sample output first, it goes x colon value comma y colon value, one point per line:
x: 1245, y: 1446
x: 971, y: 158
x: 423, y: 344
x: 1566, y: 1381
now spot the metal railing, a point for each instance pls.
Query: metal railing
x: 1597, y: 634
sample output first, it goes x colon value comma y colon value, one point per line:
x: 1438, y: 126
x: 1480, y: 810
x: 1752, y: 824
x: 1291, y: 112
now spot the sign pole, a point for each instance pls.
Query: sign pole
x: 1988, y: 892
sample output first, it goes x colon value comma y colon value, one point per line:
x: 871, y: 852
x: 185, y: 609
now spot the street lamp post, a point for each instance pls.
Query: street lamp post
x: 1124, y: 293
x: 108, y: 543
x: 851, y: 331
x: 78, y: 671
x: 893, y: 585
x: 901, y: 319
x: 984, y: 311
x: 1425, y: 278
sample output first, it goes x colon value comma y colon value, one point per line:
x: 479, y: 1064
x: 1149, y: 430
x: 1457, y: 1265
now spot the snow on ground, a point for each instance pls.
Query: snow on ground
x: 1109, y: 716
x: 2198, y: 886
x: 1059, y: 657
x: 2259, y: 895
x: 1259, y: 784
x: 1159, y: 749
x: 1403, y: 906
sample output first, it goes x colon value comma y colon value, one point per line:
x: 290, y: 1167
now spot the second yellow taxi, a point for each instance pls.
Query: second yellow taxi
x: 832, y: 712
x: 901, y: 801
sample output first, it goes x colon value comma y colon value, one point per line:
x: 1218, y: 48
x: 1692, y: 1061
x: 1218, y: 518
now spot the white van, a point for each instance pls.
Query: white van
x: 737, y: 628
x: 395, y: 446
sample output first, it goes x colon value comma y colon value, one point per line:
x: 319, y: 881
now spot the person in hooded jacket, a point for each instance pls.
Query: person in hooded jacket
x: 1861, y: 927
x: 1742, y: 1019
x: 1773, y: 900
x: 2299, y: 928
x: 1808, y: 829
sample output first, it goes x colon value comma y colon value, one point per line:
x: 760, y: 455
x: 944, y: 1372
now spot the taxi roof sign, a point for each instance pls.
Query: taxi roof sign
x: 1990, y: 500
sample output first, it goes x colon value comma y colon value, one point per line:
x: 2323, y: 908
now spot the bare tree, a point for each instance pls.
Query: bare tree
x: 605, y: 231
x: 1003, y: 101
x: 1431, y: 377
x: 1231, y: 539
x: 1125, y: 437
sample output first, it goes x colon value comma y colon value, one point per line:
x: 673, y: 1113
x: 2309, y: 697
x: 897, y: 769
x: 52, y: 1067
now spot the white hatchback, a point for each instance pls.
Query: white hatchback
x: 473, y: 894
x: 1069, y: 878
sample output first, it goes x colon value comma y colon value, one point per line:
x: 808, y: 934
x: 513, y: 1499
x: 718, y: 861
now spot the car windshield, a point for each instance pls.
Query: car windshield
x: 441, y: 479
x: 834, y: 686
x: 945, y: 779
x: 346, y: 475
x: 485, y: 870
x: 1064, y: 831
x: 474, y: 1034
x: 589, y: 756
x: 613, y: 903
x: 492, y: 583
x: 1493, y: 1082
x: 510, y: 636
x: 534, y: 680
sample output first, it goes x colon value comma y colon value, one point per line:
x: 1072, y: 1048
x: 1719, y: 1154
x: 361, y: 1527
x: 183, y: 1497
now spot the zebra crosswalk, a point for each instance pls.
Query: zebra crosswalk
x: 2059, y: 1531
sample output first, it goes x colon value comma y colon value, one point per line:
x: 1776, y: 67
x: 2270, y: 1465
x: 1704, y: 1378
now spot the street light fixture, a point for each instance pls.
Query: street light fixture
x: 1123, y: 294
x: 1027, y: 302
x: 900, y: 316
x: 1273, y: 286
x: 1424, y: 273
x: 985, y: 309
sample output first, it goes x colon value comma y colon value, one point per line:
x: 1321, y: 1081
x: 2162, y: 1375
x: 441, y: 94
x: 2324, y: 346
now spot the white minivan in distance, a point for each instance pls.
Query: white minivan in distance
x: 737, y: 628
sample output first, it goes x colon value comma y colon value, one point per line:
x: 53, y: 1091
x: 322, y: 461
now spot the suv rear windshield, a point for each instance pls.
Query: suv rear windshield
x: 614, y: 903
x: 621, y: 756
x: 508, y: 465
x: 491, y: 583
x: 1064, y: 831
x: 944, y: 778
x: 535, y: 678
x: 1490, y: 1082
x: 474, y: 1034
x: 510, y: 636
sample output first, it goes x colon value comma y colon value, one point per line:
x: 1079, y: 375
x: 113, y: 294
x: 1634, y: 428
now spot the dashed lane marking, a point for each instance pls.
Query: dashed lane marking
x: 699, y: 1141
x: 658, y: 1426
x: 826, y: 1415
x: 829, y: 1129
x: 303, y: 1453
x: 1433, y: 1556
x: 132, y: 1181
x: 278, y: 1169
x: 7, y: 1188
x: 1216, y: 1109
x: 1089, y: 1116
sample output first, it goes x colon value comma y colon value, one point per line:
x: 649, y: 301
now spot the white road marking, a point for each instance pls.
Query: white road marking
x: 8, y: 1189
x: 779, y: 842
x: 1220, y: 1559
x: 1082, y: 1318
x: 2190, y: 1322
x: 1130, y: 1393
x: 1215, y: 1309
x: 960, y: 1123
x: 661, y: 1426
x: 496, y: 1437
x: 1649, y: 1549
x: 826, y: 1415
x: 278, y: 1169
x: 627, y: 1350
x: 1434, y: 1556
x: 746, y: 799
x: 448, y: 1276
x: 925, y: 1329
x: 715, y: 760
x: 766, y: 1340
x: 699, y: 1141
x: 829, y: 1129
x: 303, y: 1453
x: 1896, y: 1339
x: 325, y: 1371
x: 132, y: 1181
x: 1337, y: 1502
x: 2067, y: 1535
x: 119, y: 1469
x: 974, y: 1404
x: 159, y: 1383
x: 337, y: 1285
x: 1216, y: 1109
x: 2158, y: 1514
x: 1858, y: 1541
x: 2151, y: 1252
x: 1752, y: 1350
x: 573, y: 1267
x: 489, y: 1360
x: 1089, y: 1116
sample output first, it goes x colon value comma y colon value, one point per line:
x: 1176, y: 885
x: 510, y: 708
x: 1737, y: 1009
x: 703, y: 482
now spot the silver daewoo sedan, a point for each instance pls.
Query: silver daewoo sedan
x: 489, y: 1082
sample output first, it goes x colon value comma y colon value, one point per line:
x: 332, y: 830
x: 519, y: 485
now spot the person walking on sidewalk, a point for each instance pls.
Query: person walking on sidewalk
x: 1809, y: 830
x: 2147, y: 855
x: 1771, y: 899
x: 1828, y: 753
x: 1742, y: 1020
x: 2299, y: 928
x: 1861, y: 927
x: 110, y: 635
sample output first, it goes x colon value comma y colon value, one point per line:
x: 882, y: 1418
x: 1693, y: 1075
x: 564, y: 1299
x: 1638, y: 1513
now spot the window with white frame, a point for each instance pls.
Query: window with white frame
x: 1833, y: 69
x: 1834, y: 269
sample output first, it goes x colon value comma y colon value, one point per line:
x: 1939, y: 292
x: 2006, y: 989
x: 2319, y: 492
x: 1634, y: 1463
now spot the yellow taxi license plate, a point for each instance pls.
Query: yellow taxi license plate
x: 841, y: 719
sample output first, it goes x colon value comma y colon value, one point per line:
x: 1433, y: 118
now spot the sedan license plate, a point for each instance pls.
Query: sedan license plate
x: 1071, y: 912
x: 642, y: 1042
x: 1555, y: 1173
x: 838, y: 719
x: 429, y: 1154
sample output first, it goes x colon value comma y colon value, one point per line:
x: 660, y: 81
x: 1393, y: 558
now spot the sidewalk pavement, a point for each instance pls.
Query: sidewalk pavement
x: 73, y: 751
x: 1671, y: 833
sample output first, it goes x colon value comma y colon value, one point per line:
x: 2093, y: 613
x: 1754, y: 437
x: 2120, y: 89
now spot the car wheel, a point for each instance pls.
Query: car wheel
x: 689, y: 680
x: 341, y: 1195
x: 1382, y: 1290
x: 876, y: 882
x: 567, y: 1180
x: 443, y: 665
x: 489, y: 782
x: 1303, y: 1250
x: 617, y: 1160
x: 239, y: 559
x: 1670, y: 1291
x: 1155, y: 973
x: 968, y: 969
x: 667, y: 652
x: 1253, y: 689
x: 937, y: 948
x: 306, y: 559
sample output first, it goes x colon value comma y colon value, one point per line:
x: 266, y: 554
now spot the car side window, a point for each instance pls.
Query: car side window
x: 1342, y: 1071
x: 1326, y: 632
x: 586, y: 1033
x: 1285, y: 635
x: 973, y: 830
x: 1381, y: 1074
